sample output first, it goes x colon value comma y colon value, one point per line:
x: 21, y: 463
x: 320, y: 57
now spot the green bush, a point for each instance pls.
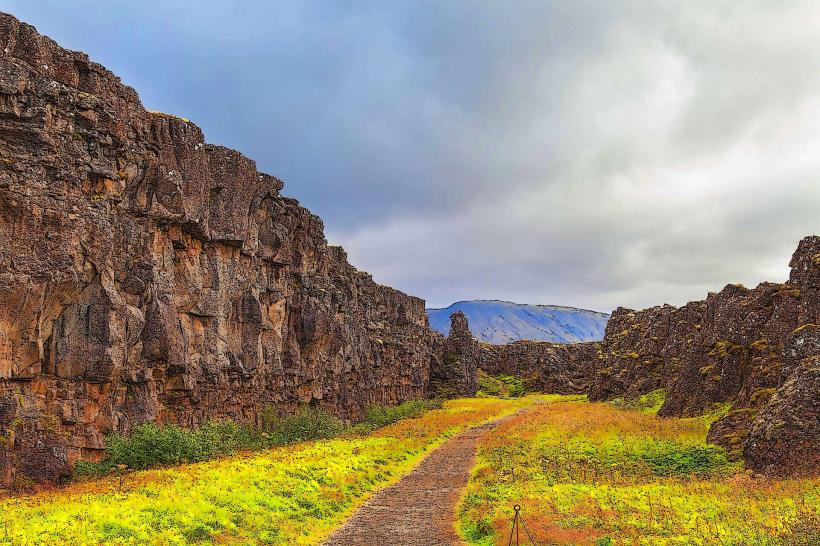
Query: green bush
x: 151, y: 444
x: 646, y: 458
x: 307, y: 423
x: 671, y: 459
x: 86, y: 468
x: 648, y: 403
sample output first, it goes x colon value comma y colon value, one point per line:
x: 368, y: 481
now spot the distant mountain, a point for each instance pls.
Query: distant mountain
x: 499, y: 322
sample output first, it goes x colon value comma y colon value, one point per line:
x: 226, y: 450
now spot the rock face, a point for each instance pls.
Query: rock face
x: 754, y: 351
x: 784, y: 438
x: 456, y: 358
x: 544, y: 367
x: 148, y: 275
x: 738, y: 347
x: 633, y: 354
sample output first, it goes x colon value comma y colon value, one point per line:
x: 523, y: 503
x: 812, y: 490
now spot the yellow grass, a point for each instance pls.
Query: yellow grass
x: 593, y: 474
x: 287, y: 495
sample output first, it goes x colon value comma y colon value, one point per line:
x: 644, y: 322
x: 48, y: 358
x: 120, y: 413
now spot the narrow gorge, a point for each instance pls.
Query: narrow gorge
x: 146, y: 275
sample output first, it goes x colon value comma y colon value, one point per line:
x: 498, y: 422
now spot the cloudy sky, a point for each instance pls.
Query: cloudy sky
x: 581, y: 153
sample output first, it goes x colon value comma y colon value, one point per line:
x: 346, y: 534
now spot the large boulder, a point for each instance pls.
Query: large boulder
x: 784, y: 438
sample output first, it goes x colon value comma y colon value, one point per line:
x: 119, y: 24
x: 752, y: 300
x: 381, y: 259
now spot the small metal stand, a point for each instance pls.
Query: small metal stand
x: 519, y: 521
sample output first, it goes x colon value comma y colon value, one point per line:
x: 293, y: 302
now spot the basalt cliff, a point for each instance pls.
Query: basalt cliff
x: 148, y: 275
x: 753, y: 353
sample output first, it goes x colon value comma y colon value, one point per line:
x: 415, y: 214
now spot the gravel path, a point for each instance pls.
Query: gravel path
x: 419, y: 510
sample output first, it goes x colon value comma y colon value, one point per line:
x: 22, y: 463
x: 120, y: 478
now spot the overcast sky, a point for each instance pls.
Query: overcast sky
x: 592, y: 154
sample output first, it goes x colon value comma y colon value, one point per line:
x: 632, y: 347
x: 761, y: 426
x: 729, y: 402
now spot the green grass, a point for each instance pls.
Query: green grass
x: 288, y: 495
x: 648, y: 403
x: 595, y: 474
x: 151, y: 445
x: 506, y: 386
x: 381, y: 416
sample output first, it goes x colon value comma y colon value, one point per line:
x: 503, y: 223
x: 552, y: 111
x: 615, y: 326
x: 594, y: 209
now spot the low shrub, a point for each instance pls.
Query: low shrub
x: 152, y: 444
x: 673, y: 459
x: 308, y: 423
x: 87, y: 468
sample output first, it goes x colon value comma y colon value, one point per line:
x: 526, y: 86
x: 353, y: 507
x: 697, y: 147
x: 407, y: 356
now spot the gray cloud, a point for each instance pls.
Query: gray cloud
x: 574, y: 152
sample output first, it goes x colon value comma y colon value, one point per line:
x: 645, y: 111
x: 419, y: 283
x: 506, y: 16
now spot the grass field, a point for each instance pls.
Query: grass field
x: 597, y: 474
x: 286, y: 495
x: 601, y: 475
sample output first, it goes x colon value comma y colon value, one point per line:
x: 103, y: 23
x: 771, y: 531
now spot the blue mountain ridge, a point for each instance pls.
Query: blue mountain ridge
x: 498, y: 322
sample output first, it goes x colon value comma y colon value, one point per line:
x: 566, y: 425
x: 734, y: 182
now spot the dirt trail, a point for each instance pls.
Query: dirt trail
x: 419, y: 510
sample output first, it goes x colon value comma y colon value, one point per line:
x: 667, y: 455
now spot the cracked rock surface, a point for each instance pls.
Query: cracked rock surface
x: 148, y: 275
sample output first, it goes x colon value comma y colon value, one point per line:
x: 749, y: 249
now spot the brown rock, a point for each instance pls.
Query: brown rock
x: 148, y: 275
x: 784, y: 438
x: 544, y: 367
x: 635, y: 357
x: 736, y: 347
x: 453, y: 370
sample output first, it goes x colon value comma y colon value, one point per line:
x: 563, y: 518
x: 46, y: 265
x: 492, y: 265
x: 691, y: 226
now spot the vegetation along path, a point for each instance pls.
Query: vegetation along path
x: 419, y: 510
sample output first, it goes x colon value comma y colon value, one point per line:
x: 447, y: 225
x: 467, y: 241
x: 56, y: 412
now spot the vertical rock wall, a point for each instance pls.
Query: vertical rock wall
x: 784, y: 437
x: 544, y: 367
x: 148, y: 275
x: 755, y: 350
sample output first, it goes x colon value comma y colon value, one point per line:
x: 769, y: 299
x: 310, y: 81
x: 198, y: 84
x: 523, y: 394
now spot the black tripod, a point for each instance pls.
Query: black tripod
x: 517, y: 520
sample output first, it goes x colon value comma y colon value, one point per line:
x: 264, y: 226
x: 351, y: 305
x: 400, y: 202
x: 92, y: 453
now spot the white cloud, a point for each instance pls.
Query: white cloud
x: 679, y: 155
x: 581, y: 152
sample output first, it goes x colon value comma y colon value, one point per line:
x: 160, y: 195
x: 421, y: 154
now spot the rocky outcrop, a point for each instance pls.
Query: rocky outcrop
x: 455, y: 360
x: 784, y: 438
x: 148, y: 275
x: 706, y: 352
x: 738, y: 347
x: 544, y: 367
x: 634, y: 354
